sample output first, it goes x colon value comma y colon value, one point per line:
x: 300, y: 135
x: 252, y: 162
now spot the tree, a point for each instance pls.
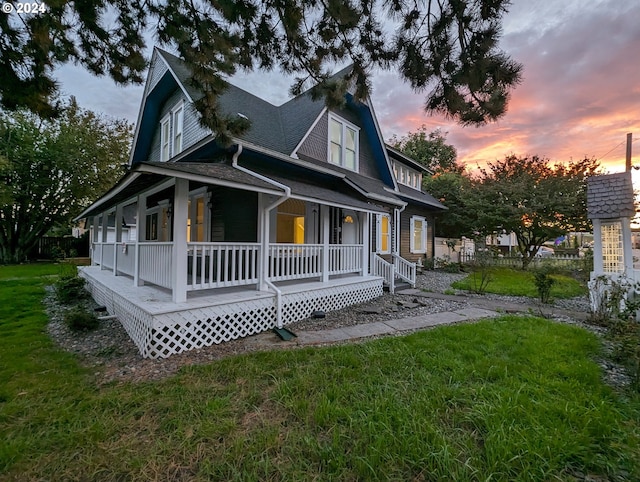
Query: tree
x: 453, y: 190
x: 447, y: 46
x: 52, y: 169
x: 532, y: 198
x: 429, y: 149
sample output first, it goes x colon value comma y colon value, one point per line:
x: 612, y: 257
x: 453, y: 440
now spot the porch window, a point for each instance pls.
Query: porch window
x: 290, y: 222
x: 343, y: 143
x: 165, y: 137
x: 612, y: 251
x: 418, y: 230
x: 152, y: 227
x: 196, y: 219
x: 383, y: 241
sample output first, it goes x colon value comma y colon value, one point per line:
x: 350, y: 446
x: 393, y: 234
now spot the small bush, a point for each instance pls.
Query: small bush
x: 78, y: 319
x: 70, y: 288
x: 543, y: 282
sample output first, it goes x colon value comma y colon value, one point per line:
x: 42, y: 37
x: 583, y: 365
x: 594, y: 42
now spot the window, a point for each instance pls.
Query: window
x: 612, y: 253
x: 152, y: 227
x: 178, y: 116
x: 170, y: 145
x: 418, y: 229
x: 165, y: 152
x: 383, y: 242
x: 196, y: 220
x: 343, y: 144
x: 290, y: 222
x: 407, y: 176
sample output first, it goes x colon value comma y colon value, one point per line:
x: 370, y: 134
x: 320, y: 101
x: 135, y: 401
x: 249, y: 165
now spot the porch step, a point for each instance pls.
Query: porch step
x: 399, y: 285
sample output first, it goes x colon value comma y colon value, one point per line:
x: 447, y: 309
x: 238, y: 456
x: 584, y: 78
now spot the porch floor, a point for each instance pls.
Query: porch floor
x: 156, y: 300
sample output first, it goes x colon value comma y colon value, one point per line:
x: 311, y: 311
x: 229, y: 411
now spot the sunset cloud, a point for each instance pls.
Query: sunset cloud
x: 579, y: 97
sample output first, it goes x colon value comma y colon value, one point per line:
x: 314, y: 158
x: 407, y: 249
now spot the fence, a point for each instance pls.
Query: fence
x: 52, y: 247
x: 559, y: 261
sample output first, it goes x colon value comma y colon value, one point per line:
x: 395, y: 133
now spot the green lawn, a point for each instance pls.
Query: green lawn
x: 507, y: 399
x: 513, y: 282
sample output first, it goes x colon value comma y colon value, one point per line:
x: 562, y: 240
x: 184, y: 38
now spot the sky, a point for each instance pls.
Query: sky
x: 579, y: 97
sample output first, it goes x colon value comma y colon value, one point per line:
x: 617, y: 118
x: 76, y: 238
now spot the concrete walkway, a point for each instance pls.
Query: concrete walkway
x: 482, y: 308
x: 391, y: 327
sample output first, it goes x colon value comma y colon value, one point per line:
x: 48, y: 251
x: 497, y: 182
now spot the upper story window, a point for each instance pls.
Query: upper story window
x: 165, y: 136
x: 407, y: 176
x: 343, y: 143
x: 171, y: 127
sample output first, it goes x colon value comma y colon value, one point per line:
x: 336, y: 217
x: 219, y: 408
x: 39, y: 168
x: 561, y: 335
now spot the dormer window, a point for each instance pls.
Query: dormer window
x: 407, y: 176
x: 171, y: 128
x: 343, y: 143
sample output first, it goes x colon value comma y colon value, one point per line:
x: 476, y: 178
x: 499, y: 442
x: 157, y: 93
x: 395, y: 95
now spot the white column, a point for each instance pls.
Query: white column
x: 324, y: 212
x: 626, y: 247
x: 179, y: 254
x: 117, y: 246
x: 263, y: 239
x: 94, y: 238
x: 597, y: 247
x: 141, y: 229
x: 105, y: 227
x: 365, y: 243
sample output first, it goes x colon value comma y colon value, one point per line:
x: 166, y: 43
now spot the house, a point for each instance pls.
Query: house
x: 301, y: 213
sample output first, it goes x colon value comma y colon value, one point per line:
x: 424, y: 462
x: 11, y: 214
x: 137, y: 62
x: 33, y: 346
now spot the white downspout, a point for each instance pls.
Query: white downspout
x: 265, y: 228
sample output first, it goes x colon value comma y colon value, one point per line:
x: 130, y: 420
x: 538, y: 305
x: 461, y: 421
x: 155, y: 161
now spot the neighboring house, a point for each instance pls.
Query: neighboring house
x: 235, y: 240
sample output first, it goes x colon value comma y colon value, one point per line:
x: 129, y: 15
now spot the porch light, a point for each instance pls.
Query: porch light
x: 348, y: 219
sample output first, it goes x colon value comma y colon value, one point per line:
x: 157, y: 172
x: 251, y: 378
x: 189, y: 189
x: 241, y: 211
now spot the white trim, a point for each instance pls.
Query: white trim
x: 165, y: 138
x: 178, y: 108
x: 202, y: 178
x: 423, y: 235
x: 109, y: 195
x: 379, y: 249
x: 345, y: 124
x: 294, y: 153
x: 175, y: 77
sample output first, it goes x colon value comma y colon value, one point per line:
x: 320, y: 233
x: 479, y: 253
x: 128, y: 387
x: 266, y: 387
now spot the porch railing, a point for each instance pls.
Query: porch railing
x: 218, y: 265
x: 107, y: 255
x: 294, y: 261
x: 345, y: 258
x: 381, y: 267
x: 155, y: 263
x: 405, y: 270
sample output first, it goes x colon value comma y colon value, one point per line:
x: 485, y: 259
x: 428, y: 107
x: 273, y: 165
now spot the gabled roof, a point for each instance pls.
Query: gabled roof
x: 403, y: 158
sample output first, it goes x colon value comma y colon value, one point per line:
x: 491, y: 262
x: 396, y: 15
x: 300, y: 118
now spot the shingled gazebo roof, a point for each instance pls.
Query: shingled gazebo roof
x: 610, y: 196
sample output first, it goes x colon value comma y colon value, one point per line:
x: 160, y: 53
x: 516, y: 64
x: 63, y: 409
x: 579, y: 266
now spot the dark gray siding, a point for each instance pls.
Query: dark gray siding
x: 192, y: 131
x: 405, y: 232
x: 316, y: 145
x: 234, y: 215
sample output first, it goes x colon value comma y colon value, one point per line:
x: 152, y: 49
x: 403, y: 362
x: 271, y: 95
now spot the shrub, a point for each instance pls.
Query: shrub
x: 78, y: 319
x: 70, y: 288
x: 543, y: 282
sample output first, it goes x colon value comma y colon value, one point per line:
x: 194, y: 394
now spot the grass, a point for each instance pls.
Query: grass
x: 512, y: 282
x: 507, y: 399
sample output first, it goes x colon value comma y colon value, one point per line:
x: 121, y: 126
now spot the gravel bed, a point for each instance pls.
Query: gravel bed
x: 111, y: 356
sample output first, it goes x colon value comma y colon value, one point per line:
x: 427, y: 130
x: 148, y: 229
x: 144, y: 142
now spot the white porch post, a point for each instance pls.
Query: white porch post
x: 94, y: 239
x: 626, y: 247
x: 597, y: 247
x: 365, y: 243
x: 141, y: 230
x: 179, y: 255
x: 105, y: 227
x: 118, y: 241
x: 324, y: 212
x: 263, y: 254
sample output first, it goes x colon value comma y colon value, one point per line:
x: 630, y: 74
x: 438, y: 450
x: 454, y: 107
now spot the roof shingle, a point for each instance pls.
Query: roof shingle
x: 610, y: 196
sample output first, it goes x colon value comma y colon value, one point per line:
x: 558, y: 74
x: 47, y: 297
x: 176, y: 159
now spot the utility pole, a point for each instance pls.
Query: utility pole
x: 629, y: 136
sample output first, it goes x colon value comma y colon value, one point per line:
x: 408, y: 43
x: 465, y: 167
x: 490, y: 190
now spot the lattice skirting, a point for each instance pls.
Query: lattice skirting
x: 166, y: 334
x: 300, y: 305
